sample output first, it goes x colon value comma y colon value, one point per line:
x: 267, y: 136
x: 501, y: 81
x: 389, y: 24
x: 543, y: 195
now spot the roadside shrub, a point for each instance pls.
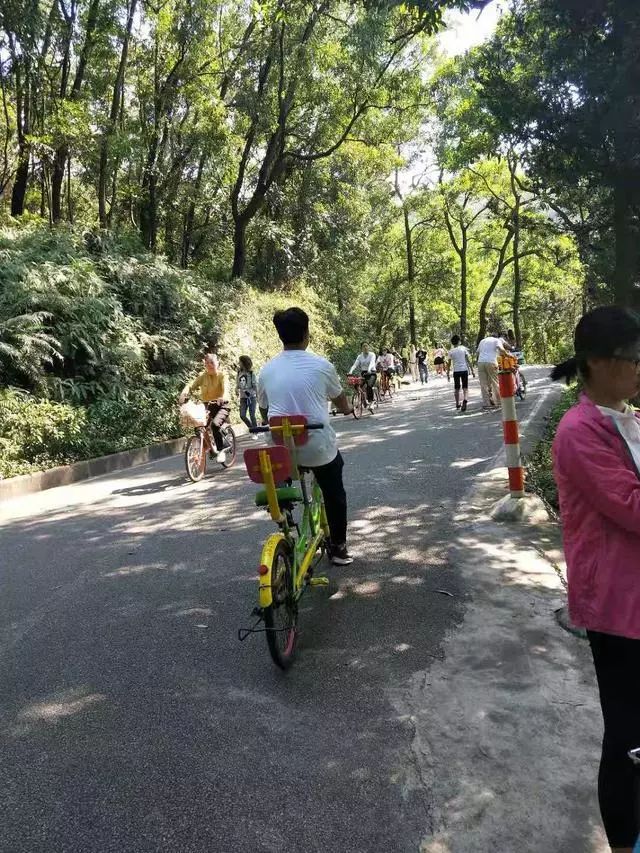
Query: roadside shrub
x: 36, y: 434
x: 539, y: 463
x: 116, y: 424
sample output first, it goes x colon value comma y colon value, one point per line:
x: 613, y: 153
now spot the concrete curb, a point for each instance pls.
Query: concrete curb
x: 64, y: 475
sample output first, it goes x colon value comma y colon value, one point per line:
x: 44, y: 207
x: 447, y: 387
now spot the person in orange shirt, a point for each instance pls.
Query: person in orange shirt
x: 212, y: 385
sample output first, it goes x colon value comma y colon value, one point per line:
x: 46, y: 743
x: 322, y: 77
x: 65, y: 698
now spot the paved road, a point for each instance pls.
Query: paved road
x: 132, y: 719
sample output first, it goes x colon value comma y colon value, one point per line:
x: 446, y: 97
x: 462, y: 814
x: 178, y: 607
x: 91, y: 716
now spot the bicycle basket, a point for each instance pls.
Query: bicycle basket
x: 354, y: 380
x: 193, y: 414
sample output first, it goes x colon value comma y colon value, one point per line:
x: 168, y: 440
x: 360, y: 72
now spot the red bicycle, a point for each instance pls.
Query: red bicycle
x: 359, y: 401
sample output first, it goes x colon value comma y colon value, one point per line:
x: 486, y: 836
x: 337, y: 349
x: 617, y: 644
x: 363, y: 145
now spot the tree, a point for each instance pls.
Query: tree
x: 561, y: 81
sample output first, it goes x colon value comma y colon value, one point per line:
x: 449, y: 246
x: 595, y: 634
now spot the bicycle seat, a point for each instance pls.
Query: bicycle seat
x: 286, y: 494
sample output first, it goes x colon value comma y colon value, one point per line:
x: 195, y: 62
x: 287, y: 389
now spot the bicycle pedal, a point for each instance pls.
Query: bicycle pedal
x: 321, y: 580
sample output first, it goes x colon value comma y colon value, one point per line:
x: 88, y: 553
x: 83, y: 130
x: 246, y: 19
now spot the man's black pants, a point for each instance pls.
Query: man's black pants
x: 329, y: 479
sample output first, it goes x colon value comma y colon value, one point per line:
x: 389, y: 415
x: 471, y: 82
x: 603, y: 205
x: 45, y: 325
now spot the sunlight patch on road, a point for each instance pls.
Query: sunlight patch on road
x: 468, y: 463
x: 59, y: 707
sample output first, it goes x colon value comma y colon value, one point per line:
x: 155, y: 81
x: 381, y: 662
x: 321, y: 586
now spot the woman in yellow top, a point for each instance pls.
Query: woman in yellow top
x: 212, y: 385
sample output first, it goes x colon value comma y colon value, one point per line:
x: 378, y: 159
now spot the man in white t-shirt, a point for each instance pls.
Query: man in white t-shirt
x: 460, y: 359
x: 488, y: 351
x: 298, y: 382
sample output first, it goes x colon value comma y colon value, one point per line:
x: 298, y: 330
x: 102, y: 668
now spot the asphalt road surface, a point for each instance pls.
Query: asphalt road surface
x: 132, y: 719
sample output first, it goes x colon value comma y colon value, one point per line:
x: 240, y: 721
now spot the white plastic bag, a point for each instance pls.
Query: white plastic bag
x: 193, y: 414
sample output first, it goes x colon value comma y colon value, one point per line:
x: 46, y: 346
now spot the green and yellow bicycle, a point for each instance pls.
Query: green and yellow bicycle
x: 290, y: 556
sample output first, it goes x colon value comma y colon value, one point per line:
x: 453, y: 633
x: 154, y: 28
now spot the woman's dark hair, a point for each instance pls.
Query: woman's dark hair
x: 245, y: 363
x: 292, y: 325
x: 455, y: 340
x: 602, y: 333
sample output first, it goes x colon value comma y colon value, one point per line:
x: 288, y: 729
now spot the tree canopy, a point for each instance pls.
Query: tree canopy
x: 204, y: 155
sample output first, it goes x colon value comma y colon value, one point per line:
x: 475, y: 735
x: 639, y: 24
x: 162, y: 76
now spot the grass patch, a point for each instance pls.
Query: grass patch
x: 539, y: 462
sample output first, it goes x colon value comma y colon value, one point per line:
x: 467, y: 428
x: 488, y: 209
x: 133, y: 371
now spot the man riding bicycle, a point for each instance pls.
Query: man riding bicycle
x: 365, y: 366
x: 212, y: 384
x: 298, y: 382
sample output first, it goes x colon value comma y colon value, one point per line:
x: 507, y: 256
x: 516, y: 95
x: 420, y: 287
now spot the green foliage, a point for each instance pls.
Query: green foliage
x: 38, y: 434
x: 129, y: 329
x: 540, y: 463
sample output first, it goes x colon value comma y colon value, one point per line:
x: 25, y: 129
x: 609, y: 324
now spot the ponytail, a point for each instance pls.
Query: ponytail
x: 566, y: 370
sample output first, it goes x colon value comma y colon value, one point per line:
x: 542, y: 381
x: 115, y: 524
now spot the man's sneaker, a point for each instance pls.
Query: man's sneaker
x: 464, y: 405
x: 457, y: 405
x: 221, y: 457
x: 339, y: 555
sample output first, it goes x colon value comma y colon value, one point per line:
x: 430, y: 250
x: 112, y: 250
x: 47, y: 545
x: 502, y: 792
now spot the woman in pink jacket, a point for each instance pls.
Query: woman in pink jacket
x: 597, y: 463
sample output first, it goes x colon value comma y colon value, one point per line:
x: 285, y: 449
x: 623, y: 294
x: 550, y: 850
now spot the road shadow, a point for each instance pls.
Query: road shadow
x: 152, y: 488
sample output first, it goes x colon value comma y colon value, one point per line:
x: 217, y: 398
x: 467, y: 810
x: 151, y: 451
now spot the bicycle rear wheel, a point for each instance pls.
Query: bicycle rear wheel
x: 230, y: 447
x: 195, y: 458
x: 281, y: 616
x: 356, y: 404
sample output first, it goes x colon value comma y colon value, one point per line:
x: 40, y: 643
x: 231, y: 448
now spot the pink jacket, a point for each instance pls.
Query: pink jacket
x: 599, y: 490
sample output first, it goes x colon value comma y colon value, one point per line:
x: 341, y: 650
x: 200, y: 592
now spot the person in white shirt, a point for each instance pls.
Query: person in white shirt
x: 365, y: 366
x: 298, y: 382
x: 386, y: 362
x: 487, y: 359
x: 460, y: 359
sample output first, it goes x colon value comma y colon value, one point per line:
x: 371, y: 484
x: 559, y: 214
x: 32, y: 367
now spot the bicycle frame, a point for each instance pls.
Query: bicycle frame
x: 312, y: 529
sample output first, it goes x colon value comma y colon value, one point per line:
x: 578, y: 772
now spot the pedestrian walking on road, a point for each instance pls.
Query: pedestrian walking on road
x: 438, y: 360
x: 596, y: 456
x: 488, y: 351
x: 423, y: 371
x: 413, y: 363
x: 460, y: 360
x: 404, y: 355
x: 247, y: 388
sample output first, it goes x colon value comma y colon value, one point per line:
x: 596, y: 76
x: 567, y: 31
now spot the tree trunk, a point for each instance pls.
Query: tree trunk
x: 239, y: 247
x: 69, y: 197
x: 20, y: 184
x: 517, y: 279
x: 410, y: 276
x: 464, y: 295
x: 625, y: 240
x: 502, y: 263
x: 116, y: 100
x: 23, y: 127
x: 190, y: 216
x: 148, y: 211
x: 57, y: 180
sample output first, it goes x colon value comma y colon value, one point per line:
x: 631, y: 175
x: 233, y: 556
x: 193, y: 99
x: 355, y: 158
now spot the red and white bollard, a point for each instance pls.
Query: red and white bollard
x: 507, y: 382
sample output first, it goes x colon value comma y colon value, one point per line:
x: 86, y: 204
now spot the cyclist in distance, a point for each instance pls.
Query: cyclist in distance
x: 299, y: 382
x: 386, y: 362
x: 365, y: 366
x: 212, y: 385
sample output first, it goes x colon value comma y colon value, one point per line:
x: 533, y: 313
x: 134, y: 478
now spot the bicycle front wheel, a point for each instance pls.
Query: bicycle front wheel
x: 281, y: 616
x: 230, y: 447
x: 195, y: 458
x: 356, y: 405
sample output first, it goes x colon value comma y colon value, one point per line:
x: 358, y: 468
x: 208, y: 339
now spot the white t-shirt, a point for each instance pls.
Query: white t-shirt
x: 364, y: 364
x: 629, y: 427
x: 488, y: 350
x: 458, y: 356
x: 299, y: 382
x: 386, y: 361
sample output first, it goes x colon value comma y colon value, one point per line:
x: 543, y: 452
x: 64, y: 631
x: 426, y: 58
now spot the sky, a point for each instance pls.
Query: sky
x: 467, y: 30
